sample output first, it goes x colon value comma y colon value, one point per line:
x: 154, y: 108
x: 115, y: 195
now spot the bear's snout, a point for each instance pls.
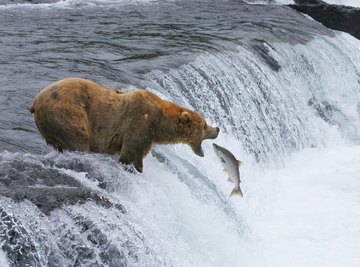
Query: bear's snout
x: 211, y: 132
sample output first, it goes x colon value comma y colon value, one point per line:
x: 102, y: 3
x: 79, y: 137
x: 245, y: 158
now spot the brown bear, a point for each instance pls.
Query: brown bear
x: 78, y: 114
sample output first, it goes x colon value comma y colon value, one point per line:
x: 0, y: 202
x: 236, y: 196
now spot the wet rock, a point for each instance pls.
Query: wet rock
x: 47, y: 187
x: 77, y: 240
x: 341, y: 18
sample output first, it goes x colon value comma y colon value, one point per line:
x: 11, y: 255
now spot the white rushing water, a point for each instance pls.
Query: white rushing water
x: 304, y: 213
x: 3, y: 260
x: 312, y: 100
x: 307, y: 213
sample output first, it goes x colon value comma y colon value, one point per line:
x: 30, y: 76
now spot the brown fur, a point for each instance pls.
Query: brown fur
x: 78, y: 114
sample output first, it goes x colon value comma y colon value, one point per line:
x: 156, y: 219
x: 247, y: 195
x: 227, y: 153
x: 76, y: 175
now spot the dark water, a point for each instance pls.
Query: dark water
x: 267, y: 75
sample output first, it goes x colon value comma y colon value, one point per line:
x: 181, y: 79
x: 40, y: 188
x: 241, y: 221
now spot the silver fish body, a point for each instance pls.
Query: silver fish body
x: 231, y: 167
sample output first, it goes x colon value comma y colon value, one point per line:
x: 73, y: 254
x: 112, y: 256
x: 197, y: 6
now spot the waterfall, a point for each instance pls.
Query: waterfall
x: 275, y: 99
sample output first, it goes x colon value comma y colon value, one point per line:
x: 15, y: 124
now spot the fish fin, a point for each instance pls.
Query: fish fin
x: 236, y: 192
x: 229, y: 180
x: 239, y: 163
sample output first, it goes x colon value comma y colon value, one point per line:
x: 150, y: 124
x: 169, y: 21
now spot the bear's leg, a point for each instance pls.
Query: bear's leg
x: 68, y: 140
x: 128, y: 158
x: 133, y: 153
x: 76, y: 137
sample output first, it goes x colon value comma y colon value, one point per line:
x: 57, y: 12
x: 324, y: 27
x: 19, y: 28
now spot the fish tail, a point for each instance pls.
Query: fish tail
x: 236, y: 191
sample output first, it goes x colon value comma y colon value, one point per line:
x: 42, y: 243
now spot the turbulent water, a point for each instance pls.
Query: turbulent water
x: 284, y: 90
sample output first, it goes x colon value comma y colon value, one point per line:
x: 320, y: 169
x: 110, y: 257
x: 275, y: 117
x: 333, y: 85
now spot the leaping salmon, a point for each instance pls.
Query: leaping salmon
x: 231, y: 167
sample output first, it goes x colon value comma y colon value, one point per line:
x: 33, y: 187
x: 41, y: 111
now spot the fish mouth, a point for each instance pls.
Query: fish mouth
x: 217, y: 149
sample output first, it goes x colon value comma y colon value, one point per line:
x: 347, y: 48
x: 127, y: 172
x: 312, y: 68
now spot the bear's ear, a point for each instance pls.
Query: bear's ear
x: 185, y: 117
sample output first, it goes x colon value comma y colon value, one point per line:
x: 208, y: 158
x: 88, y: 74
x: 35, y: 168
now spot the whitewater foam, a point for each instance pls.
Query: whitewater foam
x: 3, y: 260
x: 307, y: 214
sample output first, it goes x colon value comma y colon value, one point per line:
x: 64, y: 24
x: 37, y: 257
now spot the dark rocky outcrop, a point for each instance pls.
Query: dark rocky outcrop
x: 47, y: 188
x: 34, y: 180
x: 341, y: 18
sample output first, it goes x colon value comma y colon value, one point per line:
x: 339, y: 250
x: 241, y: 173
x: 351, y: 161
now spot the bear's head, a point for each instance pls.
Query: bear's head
x: 193, y: 129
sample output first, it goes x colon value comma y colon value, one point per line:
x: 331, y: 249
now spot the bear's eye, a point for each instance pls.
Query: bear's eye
x: 205, y: 126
